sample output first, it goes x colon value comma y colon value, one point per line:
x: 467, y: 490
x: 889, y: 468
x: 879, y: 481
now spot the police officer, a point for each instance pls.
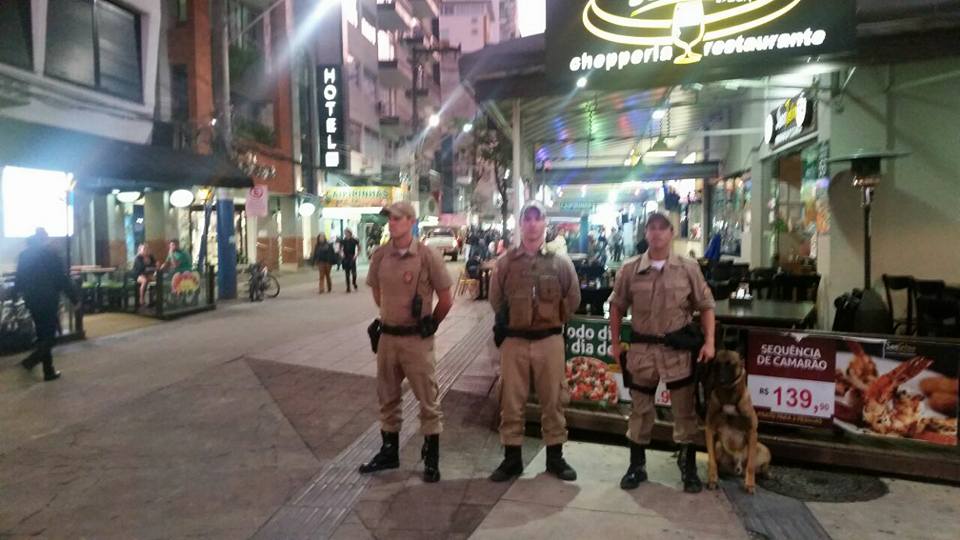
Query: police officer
x: 534, y: 293
x: 404, y: 275
x: 662, y: 291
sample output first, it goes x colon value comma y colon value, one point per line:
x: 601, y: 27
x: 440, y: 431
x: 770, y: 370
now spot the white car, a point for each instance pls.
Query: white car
x: 443, y: 240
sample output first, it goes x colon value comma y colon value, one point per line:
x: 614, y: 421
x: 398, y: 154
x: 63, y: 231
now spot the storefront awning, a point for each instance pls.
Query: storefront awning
x: 102, y: 163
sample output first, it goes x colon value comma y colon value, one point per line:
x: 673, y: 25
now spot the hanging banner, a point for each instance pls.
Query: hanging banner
x: 623, y: 44
x: 257, y: 199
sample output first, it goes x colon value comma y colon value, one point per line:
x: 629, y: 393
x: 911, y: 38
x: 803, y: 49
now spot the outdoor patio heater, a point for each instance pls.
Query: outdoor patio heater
x: 871, y: 313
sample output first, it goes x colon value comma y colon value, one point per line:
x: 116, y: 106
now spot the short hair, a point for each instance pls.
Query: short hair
x: 175, y: 242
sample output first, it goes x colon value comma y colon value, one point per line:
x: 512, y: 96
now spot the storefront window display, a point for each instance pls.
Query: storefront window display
x: 730, y: 212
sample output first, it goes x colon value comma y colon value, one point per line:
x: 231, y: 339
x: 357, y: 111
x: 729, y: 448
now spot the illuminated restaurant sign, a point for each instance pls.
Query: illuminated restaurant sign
x: 793, y: 119
x: 332, y: 127
x: 626, y: 43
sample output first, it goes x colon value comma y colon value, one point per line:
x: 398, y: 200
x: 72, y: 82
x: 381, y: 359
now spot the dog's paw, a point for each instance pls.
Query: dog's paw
x: 749, y: 488
x: 712, y: 485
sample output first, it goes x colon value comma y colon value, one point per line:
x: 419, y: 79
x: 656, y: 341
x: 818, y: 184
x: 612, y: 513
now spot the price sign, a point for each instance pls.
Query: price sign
x: 792, y: 396
x: 791, y: 378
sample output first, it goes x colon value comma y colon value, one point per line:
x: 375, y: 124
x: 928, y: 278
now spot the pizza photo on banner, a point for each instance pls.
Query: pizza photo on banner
x: 902, y: 389
x: 593, y: 376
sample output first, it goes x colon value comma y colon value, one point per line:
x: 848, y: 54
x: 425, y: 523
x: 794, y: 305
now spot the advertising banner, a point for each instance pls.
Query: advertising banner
x: 360, y: 197
x: 899, y: 388
x: 593, y: 376
x: 622, y: 44
x: 791, y: 378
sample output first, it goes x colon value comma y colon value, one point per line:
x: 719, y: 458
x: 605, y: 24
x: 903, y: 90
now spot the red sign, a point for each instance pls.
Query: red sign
x: 256, y: 205
x: 791, y: 378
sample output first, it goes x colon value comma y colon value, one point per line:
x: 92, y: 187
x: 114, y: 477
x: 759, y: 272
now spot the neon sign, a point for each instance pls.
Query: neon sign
x: 331, y: 117
x: 610, y: 37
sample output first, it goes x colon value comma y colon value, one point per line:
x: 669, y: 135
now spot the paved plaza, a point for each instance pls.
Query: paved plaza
x: 249, y: 422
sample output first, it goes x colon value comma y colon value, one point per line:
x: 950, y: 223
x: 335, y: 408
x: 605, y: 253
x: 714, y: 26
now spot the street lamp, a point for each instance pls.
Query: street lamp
x: 582, y: 82
x: 468, y: 127
x: 434, y: 120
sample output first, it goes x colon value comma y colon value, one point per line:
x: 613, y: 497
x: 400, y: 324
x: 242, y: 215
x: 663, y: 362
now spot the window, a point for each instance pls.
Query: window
x: 181, y: 93
x: 182, y: 8
x: 15, y: 46
x: 97, y: 44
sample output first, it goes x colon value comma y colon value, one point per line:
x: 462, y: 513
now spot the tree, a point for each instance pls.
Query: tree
x: 495, y: 156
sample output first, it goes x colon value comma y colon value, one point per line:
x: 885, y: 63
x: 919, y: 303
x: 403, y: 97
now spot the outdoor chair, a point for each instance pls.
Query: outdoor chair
x: 900, y: 283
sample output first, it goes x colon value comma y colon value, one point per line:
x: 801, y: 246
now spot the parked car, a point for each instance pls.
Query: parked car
x: 443, y: 240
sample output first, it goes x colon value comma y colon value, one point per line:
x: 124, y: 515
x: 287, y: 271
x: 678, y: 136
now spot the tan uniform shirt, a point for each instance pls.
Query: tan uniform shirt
x: 661, y: 301
x: 398, y: 275
x: 541, y: 290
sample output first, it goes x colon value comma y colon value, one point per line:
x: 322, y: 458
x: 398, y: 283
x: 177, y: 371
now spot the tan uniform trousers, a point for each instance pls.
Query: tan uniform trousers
x: 544, y: 360
x: 409, y: 357
x: 643, y: 415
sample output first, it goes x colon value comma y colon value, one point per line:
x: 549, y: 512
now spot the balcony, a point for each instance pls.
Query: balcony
x: 425, y: 9
x: 395, y: 69
x: 394, y: 121
x: 394, y: 15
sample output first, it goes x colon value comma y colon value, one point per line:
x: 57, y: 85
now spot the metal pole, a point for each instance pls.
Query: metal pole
x: 867, y: 234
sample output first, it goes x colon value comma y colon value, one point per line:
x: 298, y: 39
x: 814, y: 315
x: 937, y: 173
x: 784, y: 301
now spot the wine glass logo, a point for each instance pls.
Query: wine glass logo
x: 688, y: 29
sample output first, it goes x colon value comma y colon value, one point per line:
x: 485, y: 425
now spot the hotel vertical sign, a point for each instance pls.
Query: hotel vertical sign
x: 332, y: 127
x: 645, y: 43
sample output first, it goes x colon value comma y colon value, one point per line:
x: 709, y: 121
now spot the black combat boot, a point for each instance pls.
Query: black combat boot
x: 637, y: 472
x: 511, y: 466
x: 49, y: 372
x: 388, y: 457
x: 558, y: 466
x: 687, y: 461
x: 431, y: 458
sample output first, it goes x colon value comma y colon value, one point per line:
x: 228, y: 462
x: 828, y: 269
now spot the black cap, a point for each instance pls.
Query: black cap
x: 657, y: 216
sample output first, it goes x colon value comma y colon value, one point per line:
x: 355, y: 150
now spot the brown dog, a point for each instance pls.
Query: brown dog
x: 732, y: 422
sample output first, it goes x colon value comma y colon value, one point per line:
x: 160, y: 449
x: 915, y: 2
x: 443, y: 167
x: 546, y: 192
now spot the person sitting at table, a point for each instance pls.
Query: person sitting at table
x: 144, y: 267
x: 177, y: 259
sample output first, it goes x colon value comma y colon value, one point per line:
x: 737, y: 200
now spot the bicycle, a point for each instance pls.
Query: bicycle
x: 261, y: 283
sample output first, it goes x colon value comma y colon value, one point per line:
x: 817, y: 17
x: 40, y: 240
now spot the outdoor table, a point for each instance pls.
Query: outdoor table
x: 767, y: 313
x: 97, y: 272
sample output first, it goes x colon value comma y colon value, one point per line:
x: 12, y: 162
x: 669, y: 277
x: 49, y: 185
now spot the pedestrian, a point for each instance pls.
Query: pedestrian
x: 349, y: 248
x: 662, y: 292
x: 324, y: 258
x: 617, y: 244
x: 41, y: 277
x: 534, y: 292
x: 403, y: 276
x: 177, y: 259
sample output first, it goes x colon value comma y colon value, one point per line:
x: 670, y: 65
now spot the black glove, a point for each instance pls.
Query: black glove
x: 428, y: 326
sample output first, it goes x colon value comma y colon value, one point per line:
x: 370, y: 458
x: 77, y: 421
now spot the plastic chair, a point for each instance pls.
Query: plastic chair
x: 900, y: 283
x: 467, y: 284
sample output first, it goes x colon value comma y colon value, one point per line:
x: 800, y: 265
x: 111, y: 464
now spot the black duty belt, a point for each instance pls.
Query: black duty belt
x: 400, y: 330
x: 535, y: 335
x: 649, y: 339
